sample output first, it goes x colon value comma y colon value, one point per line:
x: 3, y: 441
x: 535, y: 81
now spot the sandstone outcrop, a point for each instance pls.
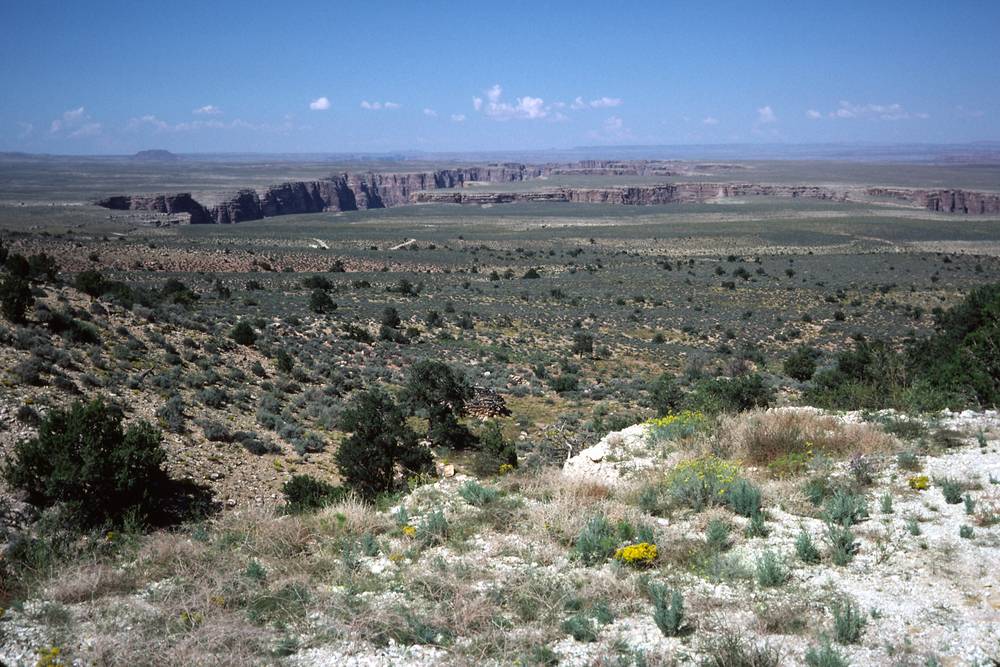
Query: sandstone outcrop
x: 243, y: 206
x: 946, y: 201
x: 181, y: 202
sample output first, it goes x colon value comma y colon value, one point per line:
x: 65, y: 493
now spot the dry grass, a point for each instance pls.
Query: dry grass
x: 761, y: 436
x: 353, y: 516
x: 89, y: 582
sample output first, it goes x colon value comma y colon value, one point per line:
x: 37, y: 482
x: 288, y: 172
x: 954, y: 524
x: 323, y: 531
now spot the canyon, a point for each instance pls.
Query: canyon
x: 369, y: 190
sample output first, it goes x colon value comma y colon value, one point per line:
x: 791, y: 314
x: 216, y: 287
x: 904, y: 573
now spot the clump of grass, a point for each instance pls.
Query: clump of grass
x: 970, y: 504
x: 478, y: 495
x: 668, y: 609
x: 825, y: 655
x: 702, y: 482
x: 744, y: 498
x: 769, y: 570
x: 806, y: 549
x: 717, y: 535
x: 434, y: 529
x: 845, y: 509
x: 599, y: 539
x: 848, y: 622
x: 756, y: 527
x: 581, y: 627
x: 885, y: 503
x: 731, y: 650
x: 951, y: 489
x: 913, y: 526
x: 908, y: 460
x: 842, y: 544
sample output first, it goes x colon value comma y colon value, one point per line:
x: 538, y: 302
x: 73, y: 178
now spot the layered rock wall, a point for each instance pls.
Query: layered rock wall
x: 365, y: 190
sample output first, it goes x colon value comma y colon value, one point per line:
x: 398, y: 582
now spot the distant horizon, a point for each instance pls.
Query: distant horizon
x: 973, y: 152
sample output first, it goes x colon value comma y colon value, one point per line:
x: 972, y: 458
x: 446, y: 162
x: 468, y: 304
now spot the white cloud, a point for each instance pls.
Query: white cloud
x: 605, y: 102
x: 458, y: 117
x: 612, y: 129
x: 765, y: 114
x: 600, y: 103
x: 159, y: 125
x: 207, y: 110
x: 319, y: 104
x: 710, y: 120
x: 874, y: 111
x: 431, y: 113
x: 69, y: 119
x: 378, y: 106
x: 963, y: 112
x: 147, y: 120
x: 86, y: 130
x: 848, y: 110
x: 523, y: 108
x: 27, y: 129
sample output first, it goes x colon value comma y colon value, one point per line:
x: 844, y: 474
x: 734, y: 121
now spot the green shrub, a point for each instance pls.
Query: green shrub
x: 717, y: 535
x: 744, y: 498
x: 320, y: 302
x: 581, y: 627
x: 769, y: 570
x: 496, y: 453
x: 599, y: 539
x: 848, y: 622
x: 15, y: 298
x: 756, y: 527
x: 806, y: 549
x: 433, y: 529
x: 959, y: 361
x: 668, y: 609
x: 596, y: 542
x: 437, y: 391
x: 380, y: 441
x: 731, y: 394
x: 951, y: 489
x: 243, y: 334
x: 476, y: 494
x: 825, y: 655
x: 304, y: 493
x: 731, y: 650
x: 801, y: 364
x: 702, y: 482
x: 842, y: 544
x: 665, y: 395
x: 85, y: 459
x: 91, y: 282
x: 564, y: 383
x: 845, y: 509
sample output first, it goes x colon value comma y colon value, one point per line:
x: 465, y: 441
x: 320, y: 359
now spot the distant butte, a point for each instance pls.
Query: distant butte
x: 155, y: 155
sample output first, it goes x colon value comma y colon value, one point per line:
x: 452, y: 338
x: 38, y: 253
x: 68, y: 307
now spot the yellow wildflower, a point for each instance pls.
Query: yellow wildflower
x: 919, y: 482
x: 639, y: 555
x: 409, y: 530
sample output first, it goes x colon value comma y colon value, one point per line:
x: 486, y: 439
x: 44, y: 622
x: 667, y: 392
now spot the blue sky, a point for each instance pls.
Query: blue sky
x: 211, y: 76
